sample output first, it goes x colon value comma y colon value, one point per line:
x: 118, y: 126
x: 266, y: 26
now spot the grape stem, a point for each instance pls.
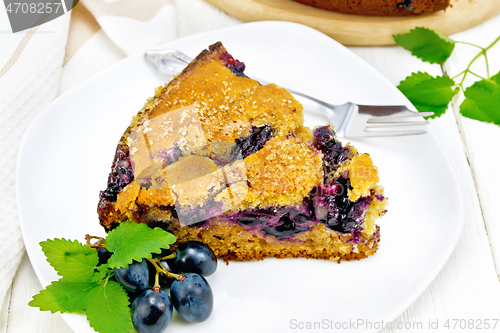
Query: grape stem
x: 159, y: 269
x: 157, y: 286
x: 170, y: 256
x: 100, y: 241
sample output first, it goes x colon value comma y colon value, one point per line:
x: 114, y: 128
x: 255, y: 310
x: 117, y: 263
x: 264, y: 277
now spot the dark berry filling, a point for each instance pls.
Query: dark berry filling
x: 258, y: 216
x: 259, y: 136
x: 287, y: 227
x: 329, y: 205
x: 121, y: 174
x: 236, y: 66
x: 333, y: 152
x: 279, y: 222
x: 407, y: 4
x: 333, y: 208
x: 252, y: 219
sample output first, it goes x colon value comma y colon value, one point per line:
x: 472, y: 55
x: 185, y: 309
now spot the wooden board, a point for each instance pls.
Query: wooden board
x: 362, y: 30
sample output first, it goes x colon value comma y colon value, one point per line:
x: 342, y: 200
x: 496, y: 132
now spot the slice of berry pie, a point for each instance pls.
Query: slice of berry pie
x: 217, y: 157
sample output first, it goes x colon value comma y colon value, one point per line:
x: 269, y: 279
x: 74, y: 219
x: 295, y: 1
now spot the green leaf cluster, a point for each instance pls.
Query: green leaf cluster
x: 434, y: 93
x: 85, y: 287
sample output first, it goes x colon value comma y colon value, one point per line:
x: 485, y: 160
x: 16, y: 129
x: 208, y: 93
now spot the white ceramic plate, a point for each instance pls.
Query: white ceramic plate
x: 67, y: 152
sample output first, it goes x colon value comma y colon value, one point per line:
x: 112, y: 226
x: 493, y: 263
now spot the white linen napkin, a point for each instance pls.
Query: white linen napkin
x: 37, y: 64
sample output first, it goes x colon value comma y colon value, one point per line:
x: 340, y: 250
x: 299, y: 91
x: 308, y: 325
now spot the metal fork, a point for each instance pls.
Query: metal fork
x: 350, y: 120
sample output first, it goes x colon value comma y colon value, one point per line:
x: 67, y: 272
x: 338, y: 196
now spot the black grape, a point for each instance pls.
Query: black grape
x: 152, y: 311
x: 135, y: 276
x: 195, y: 257
x: 192, y: 297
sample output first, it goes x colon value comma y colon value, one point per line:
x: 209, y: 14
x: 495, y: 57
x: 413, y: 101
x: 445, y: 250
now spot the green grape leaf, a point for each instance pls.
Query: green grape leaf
x: 426, y: 44
x: 482, y: 100
x: 63, y: 296
x: 108, y: 309
x: 428, y: 93
x: 135, y: 241
x: 72, y: 260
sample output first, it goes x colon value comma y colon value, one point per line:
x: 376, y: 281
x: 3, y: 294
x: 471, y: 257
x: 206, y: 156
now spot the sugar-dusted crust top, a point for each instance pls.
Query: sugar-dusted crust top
x: 282, y: 173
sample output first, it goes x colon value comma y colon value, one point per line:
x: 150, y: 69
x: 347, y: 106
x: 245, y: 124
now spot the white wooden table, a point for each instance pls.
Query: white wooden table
x: 468, y: 287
